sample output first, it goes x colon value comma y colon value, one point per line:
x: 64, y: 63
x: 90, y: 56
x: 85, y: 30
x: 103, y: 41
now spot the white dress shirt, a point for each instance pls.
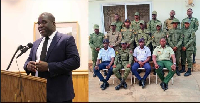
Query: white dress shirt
x: 141, y: 54
x: 39, y: 50
x: 106, y: 55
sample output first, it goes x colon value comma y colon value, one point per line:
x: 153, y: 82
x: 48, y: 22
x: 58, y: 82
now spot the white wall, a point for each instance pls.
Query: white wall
x: 162, y: 7
x: 18, y: 17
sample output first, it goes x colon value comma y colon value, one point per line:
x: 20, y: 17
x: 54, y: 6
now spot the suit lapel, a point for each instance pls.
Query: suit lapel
x: 55, y: 40
x: 36, y: 47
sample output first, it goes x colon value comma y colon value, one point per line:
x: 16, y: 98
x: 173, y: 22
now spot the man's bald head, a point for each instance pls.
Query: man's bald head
x: 50, y: 16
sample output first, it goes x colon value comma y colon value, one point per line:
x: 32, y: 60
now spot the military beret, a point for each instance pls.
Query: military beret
x: 175, y: 21
x: 113, y: 23
x: 127, y: 20
x: 186, y: 21
x: 159, y: 24
x: 141, y: 40
x: 96, y: 26
x: 105, y: 40
x: 141, y: 21
x: 137, y: 13
x: 154, y: 12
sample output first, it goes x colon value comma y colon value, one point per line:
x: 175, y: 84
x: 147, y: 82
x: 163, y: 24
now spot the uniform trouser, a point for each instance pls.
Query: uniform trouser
x: 187, y: 55
x: 147, y: 70
x: 167, y: 64
x: 178, y: 55
x: 103, y: 66
x: 94, y: 57
x: 120, y: 66
x: 195, y: 49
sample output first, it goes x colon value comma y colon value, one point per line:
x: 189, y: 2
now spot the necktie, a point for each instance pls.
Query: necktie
x: 44, y: 49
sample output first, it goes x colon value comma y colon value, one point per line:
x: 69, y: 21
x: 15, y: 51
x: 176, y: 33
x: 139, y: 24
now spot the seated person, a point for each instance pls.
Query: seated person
x: 107, y: 55
x: 124, y: 60
x: 142, y: 55
x: 161, y: 58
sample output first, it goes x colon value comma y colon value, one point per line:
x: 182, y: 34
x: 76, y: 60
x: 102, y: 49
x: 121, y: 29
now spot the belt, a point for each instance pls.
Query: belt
x: 105, y: 61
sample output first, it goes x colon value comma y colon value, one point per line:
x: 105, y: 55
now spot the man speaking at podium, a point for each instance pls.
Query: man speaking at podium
x: 56, y: 55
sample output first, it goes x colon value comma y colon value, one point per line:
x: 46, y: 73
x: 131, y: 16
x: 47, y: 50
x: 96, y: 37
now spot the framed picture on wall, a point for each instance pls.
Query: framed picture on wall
x: 68, y: 28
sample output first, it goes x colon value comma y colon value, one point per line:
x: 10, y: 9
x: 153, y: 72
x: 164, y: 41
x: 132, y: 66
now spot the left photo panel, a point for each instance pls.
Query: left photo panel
x: 44, y: 55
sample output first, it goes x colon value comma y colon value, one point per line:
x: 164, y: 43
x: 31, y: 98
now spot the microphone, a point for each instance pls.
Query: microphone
x: 29, y: 45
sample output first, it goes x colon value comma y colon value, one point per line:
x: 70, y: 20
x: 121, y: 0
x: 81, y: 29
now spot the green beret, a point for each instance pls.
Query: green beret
x: 137, y: 13
x: 96, y: 26
x: 154, y: 12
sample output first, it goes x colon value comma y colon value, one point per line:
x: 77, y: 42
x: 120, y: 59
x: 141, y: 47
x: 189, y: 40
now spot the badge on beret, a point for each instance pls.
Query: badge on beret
x: 116, y: 52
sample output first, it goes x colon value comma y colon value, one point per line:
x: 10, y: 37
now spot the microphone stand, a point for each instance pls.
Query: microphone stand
x: 19, y: 47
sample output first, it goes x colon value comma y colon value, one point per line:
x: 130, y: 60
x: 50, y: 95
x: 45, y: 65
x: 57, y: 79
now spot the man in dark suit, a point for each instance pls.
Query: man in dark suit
x: 56, y: 55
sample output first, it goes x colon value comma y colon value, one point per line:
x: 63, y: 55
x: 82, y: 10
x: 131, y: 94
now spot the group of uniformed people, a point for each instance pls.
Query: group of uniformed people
x: 129, y: 45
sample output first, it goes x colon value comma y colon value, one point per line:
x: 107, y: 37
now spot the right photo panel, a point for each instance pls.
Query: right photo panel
x: 144, y: 51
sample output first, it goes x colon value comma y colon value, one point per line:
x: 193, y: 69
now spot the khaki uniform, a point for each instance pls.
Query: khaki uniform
x: 128, y: 35
x: 151, y: 26
x: 135, y: 25
x: 163, y: 60
x: 168, y: 24
x: 114, y: 38
x: 122, y: 58
x: 143, y: 34
x: 156, y: 38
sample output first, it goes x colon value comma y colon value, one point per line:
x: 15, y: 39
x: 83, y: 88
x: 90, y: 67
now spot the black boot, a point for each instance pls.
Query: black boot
x: 194, y: 58
x: 118, y: 86
x: 124, y: 84
x: 94, y: 75
x: 163, y: 85
x: 143, y: 83
x: 177, y: 71
x: 104, y: 85
x: 140, y: 82
x: 105, y: 73
x: 188, y: 72
x: 166, y: 86
x: 183, y: 69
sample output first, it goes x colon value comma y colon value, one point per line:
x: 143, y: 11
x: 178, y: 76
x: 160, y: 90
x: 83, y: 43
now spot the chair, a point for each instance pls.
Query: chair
x: 157, y: 77
x: 136, y: 77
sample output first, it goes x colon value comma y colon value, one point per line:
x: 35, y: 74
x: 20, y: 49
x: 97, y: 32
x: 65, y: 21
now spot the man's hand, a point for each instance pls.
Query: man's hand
x: 156, y: 66
x: 42, y: 66
x: 173, y: 67
x: 97, y: 49
x: 183, y: 48
x: 31, y: 66
x: 108, y: 66
x: 128, y: 66
x: 96, y: 67
x: 174, y: 48
x: 114, y: 66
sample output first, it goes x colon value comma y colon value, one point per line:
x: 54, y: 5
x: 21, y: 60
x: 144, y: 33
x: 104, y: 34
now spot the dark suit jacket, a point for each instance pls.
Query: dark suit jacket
x: 62, y: 57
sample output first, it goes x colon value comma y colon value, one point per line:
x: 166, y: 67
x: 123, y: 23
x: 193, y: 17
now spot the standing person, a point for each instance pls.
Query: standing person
x: 96, y: 44
x: 168, y: 23
x: 142, y: 55
x: 114, y: 37
x: 151, y: 25
x: 175, y: 40
x: 188, y: 47
x: 161, y: 58
x: 118, y: 23
x: 143, y: 33
x: 123, y: 59
x: 194, y: 24
x: 57, y: 56
x: 107, y: 55
x: 128, y: 34
x: 135, y: 24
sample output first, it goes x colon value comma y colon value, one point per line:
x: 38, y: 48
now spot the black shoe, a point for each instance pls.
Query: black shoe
x: 104, y: 85
x: 183, y: 69
x: 162, y: 85
x: 166, y: 86
x: 94, y: 75
x: 105, y: 73
x: 188, y: 72
x: 101, y: 86
x: 125, y: 85
x: 118, y: 87
x: 140, y: 83
x: 143, y: 83
x: 177, y: 71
